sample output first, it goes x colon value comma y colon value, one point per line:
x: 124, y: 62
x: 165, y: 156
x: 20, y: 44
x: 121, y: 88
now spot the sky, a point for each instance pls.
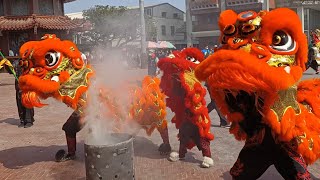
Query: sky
x: 80, y: 5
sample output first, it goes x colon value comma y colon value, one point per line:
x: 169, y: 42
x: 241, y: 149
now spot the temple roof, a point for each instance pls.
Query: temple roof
x: 28, y: 22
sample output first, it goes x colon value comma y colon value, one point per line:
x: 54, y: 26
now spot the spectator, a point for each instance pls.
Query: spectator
x: 26, y: 115
x: 206, y: 51
x: 152, y: 64
x: 312, y: 61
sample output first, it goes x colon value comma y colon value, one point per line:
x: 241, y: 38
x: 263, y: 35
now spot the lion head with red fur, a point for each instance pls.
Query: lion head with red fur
x: 258, y: 67
x: 178, y: 62
x: 52, y: 68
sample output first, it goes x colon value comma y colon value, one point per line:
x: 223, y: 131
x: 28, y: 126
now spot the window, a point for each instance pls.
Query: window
x: 46, y: 7
x: 175, y: 15
x: 163, y: 30
x: 210, y: 19
x: 20, y: 7
x: 164, y: 14
x: 172, y: 30
x: 149, y: 12
x: 16, y: 39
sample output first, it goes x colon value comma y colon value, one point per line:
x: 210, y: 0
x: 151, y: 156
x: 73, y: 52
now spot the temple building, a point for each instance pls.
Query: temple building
x: 24, y: 20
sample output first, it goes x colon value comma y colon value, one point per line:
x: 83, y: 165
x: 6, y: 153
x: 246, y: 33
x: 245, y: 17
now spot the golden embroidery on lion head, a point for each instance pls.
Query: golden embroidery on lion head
x: 53, y: 68
x: 261, y: 62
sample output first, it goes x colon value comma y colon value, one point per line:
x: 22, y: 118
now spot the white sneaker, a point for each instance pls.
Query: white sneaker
x: 207, y: 162
x: 174, y: 156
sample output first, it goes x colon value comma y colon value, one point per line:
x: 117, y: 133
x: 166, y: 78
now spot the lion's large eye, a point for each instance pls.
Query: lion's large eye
x: 282, y: 41
x: 193, y: 60
x: 52, y: 58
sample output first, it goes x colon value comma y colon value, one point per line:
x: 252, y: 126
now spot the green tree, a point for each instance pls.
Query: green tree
x: 113, y: 26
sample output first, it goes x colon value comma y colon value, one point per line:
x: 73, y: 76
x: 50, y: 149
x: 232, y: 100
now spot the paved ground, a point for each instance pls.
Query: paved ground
x: 28, y: 153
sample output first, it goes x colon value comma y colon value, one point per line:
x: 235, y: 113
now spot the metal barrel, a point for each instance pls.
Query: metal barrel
x: 112, y: 161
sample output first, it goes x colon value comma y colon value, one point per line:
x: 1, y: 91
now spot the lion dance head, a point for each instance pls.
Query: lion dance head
x: 259, y: 64
x: 254, y: 77
x: 52, y: 68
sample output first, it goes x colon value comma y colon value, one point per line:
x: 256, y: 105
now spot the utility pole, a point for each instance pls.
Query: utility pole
x: 143, y: 28
x: 143, y: 57
x: 265, y: 5
x: 188, y: 24
x: 222, y: 5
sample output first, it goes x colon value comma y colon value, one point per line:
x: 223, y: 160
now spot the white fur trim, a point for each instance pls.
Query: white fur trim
x: 207, y: 162
x: 174, y: 156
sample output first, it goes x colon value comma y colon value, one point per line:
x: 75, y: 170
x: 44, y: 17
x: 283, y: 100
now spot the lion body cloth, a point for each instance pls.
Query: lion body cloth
x: 54, y: 68
x: 254, y: 78
x: 186, y: 99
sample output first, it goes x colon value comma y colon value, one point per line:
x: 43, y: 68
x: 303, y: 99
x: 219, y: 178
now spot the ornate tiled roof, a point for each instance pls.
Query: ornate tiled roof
x: 28, y: 22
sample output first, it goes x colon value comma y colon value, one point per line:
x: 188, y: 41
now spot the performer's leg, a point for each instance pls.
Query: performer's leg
x: 32, y: 114
x: 182, y: 150
x: 19, y: 105
x: 314, y: 66
x: 186, y: 132
x: 165, y: 147
x: 211, y: 106
x: 255, y: 157
x: 174, y: 156
x: 251, y: 163
x: 28, y: 117
x: 290, y: 163
x: 206, y: 153
x: 205, y: 147
x: 71, y: 127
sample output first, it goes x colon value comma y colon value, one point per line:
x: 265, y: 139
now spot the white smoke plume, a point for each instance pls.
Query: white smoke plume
x: 110, y: 73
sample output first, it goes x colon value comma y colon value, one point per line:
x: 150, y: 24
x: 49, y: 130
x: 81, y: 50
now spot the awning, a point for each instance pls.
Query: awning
x: 29, y: 22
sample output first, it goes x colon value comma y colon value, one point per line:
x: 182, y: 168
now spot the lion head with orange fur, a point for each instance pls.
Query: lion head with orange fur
x: 52, y: 68
x: 256, y: 73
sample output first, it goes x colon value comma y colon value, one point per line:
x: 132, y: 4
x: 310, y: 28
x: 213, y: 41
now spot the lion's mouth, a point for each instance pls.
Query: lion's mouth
x: 243, y: 102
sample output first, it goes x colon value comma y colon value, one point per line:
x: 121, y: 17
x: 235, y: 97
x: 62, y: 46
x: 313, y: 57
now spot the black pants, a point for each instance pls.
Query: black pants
x: 25, y: 114
x: 72, y: 126
x: 189, y: 134
x: 314, y: 65
x: 211, y: 106
x: 261, y: 151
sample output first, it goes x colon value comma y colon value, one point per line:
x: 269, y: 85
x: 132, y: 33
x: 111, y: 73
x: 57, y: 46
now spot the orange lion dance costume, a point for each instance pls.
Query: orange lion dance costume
x: 54, y: 68
x: 148, y: 109
x: 254, y: 79
x: 186, y: 99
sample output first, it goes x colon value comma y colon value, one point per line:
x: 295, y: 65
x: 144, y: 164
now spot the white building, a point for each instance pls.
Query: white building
x: 169, y: 22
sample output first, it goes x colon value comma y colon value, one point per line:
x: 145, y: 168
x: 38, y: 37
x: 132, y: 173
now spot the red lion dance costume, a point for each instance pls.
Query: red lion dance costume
x: 54, y: 68
x: 186, y: 99
x: 254, y: 79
